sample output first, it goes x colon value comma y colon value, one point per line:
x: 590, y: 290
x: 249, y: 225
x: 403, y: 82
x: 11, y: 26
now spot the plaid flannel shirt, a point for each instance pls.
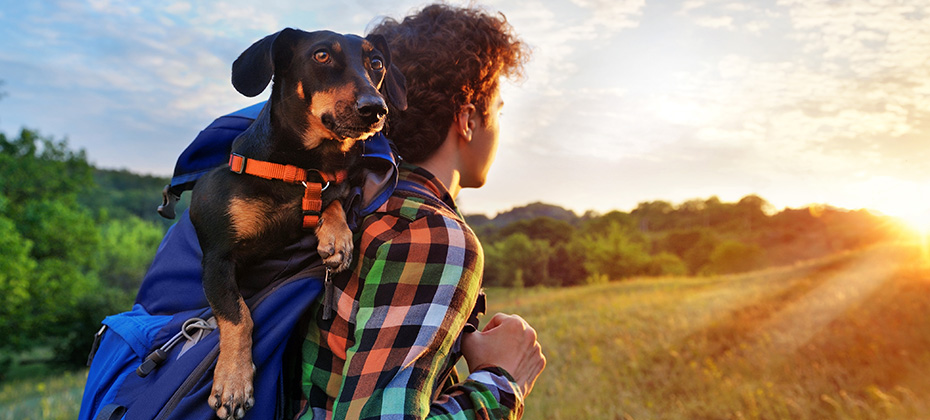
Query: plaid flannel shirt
x: 391, y: 347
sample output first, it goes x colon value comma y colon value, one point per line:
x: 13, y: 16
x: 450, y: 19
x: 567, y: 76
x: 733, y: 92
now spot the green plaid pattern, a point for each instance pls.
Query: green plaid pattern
x: 399, y: 311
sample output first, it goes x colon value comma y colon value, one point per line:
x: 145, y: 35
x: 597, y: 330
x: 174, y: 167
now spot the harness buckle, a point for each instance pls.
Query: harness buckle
x: 236, y: 159
x: 320, y: 179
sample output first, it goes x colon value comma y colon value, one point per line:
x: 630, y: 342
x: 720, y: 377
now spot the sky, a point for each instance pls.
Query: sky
x: 624, y: 101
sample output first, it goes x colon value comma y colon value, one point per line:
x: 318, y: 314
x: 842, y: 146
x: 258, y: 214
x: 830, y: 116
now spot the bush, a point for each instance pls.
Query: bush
x: 73, y: 342
x: 517, y: 261
x: 666, y: 264
x: 567, y: 264
x: 126, y: 250
x: 734, y: 257
x: 616, y: 253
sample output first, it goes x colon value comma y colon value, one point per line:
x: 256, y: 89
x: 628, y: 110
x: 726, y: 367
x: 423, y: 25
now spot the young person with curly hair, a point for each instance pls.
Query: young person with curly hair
x: 396, y: 332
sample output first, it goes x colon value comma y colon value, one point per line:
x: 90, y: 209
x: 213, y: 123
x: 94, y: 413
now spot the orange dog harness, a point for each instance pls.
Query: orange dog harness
x: 313, y: 188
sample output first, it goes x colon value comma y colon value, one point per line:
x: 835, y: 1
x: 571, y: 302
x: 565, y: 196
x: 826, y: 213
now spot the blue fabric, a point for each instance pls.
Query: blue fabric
x: 135, y: 334
x: 211, y: 147
x: 274, y: 317
x: 122, y: 349
x: 172, y: 283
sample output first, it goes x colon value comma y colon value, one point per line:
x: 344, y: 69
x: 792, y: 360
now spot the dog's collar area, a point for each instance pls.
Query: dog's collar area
x: 313, y: 181
x: 287, y: 173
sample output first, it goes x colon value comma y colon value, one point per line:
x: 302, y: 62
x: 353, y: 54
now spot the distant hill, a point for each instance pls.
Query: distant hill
x: 529, y: 211
x: 122, y: 193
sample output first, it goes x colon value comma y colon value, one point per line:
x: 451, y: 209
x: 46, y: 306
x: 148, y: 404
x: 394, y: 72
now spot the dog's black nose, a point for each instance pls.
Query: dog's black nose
x: 371, y: 108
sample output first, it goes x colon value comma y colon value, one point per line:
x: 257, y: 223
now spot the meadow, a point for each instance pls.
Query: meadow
x: 843, y: 337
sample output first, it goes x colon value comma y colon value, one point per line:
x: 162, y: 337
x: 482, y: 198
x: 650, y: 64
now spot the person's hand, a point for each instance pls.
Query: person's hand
x: 510, y: 343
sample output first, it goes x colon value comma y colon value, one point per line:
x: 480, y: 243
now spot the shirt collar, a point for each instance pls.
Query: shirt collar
x: 411, y: 172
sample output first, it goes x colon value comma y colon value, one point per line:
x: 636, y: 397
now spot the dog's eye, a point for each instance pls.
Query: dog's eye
x: 377, y: 64
x: 321, y: 56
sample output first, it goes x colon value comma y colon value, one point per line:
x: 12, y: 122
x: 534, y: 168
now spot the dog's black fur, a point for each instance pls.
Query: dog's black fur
x: 329, y: 92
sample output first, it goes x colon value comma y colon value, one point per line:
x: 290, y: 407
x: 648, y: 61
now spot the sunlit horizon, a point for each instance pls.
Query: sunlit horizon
x: 801, y: 103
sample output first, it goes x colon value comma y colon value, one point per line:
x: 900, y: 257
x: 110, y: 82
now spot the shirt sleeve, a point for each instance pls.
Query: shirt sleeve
x: 418, y: 289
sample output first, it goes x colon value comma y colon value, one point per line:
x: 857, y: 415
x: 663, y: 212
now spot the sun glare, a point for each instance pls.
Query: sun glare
x: 919, y: 222
x: 908, y: 201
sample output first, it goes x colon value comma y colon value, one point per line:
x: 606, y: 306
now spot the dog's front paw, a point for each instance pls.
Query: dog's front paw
x: 335, y: 245
x: 232, y: 393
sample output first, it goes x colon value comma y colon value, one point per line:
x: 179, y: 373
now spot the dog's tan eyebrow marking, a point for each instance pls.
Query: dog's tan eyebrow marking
x: 337, y: 47
x: 366, y: 46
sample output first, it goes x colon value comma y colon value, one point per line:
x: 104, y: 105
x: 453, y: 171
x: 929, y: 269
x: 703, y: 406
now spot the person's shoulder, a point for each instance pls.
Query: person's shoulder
x: 413, y: 207
x: 406, y: 215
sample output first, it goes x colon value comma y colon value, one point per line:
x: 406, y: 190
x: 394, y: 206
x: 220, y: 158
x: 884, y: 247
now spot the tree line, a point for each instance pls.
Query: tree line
x: 72, y: 249
x: 546, y: 245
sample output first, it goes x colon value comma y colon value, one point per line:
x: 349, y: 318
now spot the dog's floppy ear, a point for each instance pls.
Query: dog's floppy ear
x: 394, y: 86
x: 252, y: 71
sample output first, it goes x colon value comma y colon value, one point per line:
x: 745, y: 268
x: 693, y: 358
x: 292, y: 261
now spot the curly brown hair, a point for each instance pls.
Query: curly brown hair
x: 451, y: 57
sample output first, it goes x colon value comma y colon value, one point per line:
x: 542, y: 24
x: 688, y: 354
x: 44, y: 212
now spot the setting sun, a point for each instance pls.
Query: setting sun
x: 906, y: 200
x: 919, y: 220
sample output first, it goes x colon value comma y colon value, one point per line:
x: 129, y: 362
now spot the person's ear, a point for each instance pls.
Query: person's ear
x: 465, y: 121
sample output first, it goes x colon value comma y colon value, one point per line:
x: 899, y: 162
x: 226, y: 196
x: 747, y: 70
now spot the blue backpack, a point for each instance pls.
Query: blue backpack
x: 156, y: 361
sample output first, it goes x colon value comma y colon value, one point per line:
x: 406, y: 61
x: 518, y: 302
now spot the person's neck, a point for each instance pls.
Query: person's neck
x: 444, y: 165
x: 445, y: 173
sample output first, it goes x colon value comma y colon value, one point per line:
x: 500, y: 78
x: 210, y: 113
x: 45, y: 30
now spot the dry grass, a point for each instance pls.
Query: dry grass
x: 841, y: 338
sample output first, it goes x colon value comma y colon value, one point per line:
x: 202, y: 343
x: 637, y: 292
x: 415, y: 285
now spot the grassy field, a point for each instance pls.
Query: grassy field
x: 846, y: 337
x: 55, y: 397
x: 842, y: 338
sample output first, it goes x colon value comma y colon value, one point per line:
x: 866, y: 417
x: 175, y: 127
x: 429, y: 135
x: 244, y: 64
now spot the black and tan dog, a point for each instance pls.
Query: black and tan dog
x: 329, y: 92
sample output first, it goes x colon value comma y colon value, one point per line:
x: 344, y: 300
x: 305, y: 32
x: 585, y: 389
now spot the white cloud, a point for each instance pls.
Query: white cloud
x: 115, y: 7
x: 690, y: 5
x: 612, y: 15
x: 232, y: 19
x: 177, y: 8
x: 753, y: 18
x: 714, y: 22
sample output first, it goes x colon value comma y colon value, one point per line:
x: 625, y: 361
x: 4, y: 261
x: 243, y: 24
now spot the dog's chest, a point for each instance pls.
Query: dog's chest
x: 265, y: 218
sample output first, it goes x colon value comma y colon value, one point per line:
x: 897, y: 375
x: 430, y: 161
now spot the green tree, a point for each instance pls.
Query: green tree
x: 666, y: 264
x: 61, y: 230
x: 49, y: 284
x: 734, y: 257
x: 543, y: 228
x: 654, y: 215
x: 567, y: 263
x: 37, y: 168
x: 615, y: 252
x: 126, y: 250
x: 692, y: 246
x: 16, y: 267
x: 601, y: 224
x: 518, y: 261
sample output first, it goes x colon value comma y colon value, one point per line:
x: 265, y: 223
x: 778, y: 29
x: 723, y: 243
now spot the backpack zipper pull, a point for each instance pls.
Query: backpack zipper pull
x: 157, y: 357
x: 328, y: 296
